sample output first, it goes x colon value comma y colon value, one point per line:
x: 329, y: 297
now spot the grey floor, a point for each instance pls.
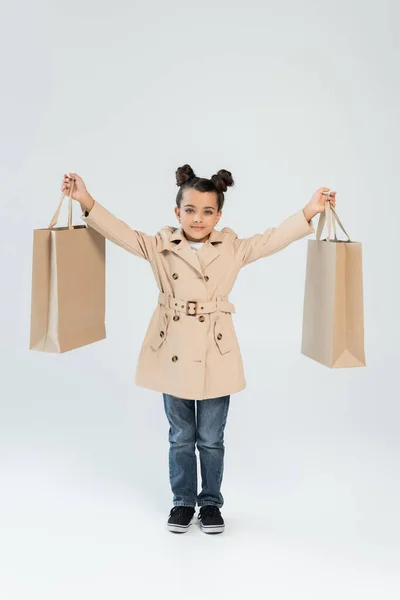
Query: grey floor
x: 311, y: 492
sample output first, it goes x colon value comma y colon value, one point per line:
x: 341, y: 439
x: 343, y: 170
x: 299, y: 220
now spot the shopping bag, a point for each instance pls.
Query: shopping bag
x: 68, y: 286
x: 333, y: 310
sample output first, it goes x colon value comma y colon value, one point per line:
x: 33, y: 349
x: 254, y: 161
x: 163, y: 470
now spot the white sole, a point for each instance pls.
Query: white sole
x: 175, y: 528
x: 212, y: 528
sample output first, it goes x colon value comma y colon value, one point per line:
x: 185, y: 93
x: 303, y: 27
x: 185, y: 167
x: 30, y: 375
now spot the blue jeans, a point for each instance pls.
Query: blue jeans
x: 208, y: 433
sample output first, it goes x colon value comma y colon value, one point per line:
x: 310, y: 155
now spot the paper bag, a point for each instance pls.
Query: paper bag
x: 68, y: 286
x: 333, y: 310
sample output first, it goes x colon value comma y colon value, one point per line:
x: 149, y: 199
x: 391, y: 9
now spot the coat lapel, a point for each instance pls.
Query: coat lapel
x: 176, y: 242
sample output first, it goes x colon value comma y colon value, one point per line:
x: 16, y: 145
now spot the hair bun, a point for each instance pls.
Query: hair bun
x: 222, y: 180
x: 183, y: 174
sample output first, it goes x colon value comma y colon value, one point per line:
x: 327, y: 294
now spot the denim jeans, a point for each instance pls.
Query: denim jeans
x: 207, y: 431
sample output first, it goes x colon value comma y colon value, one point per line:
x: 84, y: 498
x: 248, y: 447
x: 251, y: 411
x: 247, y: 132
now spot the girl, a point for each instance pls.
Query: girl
x: 190, y: 352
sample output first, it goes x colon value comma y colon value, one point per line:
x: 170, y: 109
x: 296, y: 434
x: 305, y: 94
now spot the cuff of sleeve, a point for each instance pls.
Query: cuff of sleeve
x: 309, y: 225
x: 87, y: 213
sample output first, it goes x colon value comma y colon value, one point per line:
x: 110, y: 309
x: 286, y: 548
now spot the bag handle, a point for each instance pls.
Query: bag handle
x: 54, y: 220
x: 326, y: 215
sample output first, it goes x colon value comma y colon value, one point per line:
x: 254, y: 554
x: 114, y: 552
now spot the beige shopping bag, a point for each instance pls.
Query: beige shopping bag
x: 68, y: 286
x: 333, y: 311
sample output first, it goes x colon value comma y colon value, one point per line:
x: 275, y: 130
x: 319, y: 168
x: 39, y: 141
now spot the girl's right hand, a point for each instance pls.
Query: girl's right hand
x: 79, y: 193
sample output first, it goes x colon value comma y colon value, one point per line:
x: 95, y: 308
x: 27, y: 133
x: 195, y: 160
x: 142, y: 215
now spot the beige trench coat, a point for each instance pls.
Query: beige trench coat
x: 190, y: 349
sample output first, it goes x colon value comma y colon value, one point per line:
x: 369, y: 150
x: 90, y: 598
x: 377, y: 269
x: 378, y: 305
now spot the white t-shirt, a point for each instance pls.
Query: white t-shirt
x: 195, y: 245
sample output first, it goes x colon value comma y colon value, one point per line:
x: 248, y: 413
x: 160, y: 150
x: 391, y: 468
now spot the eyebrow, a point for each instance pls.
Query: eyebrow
x: 213, y: 207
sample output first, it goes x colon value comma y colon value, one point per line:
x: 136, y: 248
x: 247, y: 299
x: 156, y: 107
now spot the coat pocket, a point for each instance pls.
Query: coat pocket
x: 159, y: 336
x: 222, y: 334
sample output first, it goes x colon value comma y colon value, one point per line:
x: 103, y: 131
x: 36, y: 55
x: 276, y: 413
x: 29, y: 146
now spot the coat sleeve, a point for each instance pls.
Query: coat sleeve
x: 136, y: 242
x: 295, y: 227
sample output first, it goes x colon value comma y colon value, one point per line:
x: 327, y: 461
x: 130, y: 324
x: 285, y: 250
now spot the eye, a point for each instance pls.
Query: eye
x: 210, y: 212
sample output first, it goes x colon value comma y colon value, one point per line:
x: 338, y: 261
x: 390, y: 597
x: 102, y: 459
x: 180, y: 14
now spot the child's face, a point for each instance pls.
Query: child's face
x: 198, y: 209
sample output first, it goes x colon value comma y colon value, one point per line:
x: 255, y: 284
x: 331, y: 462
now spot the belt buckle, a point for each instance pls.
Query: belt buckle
x: 187, y: 307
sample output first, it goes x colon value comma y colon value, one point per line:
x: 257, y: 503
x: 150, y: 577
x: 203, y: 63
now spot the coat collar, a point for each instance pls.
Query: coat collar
x: 174, y: 240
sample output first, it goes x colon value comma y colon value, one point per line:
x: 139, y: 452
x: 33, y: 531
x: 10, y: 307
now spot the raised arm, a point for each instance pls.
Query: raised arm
x: 273, y: 239
x: 136, y: 242
x: 292, y: 228
x: 99, y: 218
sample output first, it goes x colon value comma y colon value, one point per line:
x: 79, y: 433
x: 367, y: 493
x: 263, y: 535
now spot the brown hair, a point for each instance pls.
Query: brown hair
x: 219, y: 183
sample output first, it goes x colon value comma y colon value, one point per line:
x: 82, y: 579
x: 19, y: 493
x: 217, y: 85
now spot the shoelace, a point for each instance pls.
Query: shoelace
x: 208, y: 510
x: 180, y: 509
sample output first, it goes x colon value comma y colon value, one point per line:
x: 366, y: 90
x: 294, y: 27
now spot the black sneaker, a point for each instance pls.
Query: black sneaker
x: 211, y: 519
x: 180, y: 518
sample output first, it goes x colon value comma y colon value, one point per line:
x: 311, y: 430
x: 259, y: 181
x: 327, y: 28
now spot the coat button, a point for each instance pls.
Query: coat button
x: 176, y: 317
x: 201, y: 318
x: 161, y: 334
x: 206, y: 277
x: 219, y: 336
x: 174, y: 358
x: 175, y: 275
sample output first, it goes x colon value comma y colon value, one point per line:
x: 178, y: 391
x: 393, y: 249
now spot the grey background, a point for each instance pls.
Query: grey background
x: 289, y: 98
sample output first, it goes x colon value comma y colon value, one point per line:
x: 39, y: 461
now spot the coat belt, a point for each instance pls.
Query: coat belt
x: 195, y: 307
